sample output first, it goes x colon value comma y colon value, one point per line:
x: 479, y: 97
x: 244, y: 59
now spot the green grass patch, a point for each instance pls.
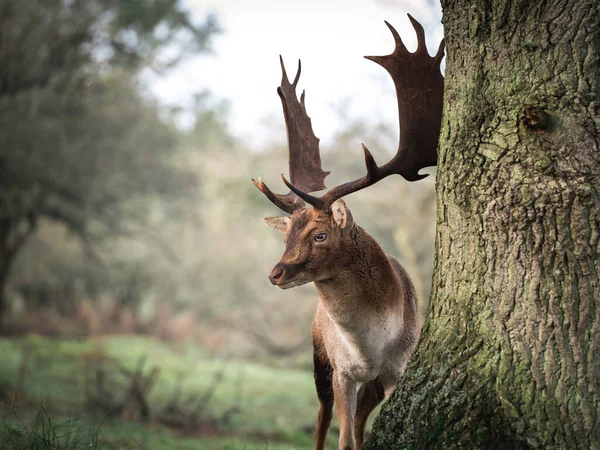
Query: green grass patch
x: 274, y: 404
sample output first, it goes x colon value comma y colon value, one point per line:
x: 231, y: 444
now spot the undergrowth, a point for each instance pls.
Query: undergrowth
x: 43, y: 433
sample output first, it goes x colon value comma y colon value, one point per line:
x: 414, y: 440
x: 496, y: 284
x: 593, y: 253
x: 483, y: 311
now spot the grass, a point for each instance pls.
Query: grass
x: 275, y: 404
x: 43, y: 433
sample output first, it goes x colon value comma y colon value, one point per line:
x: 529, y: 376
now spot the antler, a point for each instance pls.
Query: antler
x: 419, y: 89
x: 303, y: 147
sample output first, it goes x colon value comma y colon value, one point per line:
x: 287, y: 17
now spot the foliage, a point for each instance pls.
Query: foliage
x: 80, y: 143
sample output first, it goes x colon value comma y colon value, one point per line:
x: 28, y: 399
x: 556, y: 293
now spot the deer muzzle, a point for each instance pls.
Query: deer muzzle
x: 276, y: 274
x: 286, y: 276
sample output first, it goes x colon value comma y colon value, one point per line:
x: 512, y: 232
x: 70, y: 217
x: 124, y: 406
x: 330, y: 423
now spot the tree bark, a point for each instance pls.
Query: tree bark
x: 510, y: 354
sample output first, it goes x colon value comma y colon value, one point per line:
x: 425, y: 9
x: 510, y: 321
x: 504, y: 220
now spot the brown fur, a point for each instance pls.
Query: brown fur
x: 366, y: 324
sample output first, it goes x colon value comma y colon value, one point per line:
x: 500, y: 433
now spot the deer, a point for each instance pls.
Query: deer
x: 366, y: 323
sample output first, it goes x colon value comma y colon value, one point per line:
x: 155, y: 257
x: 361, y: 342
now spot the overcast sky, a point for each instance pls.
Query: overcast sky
x: 329, y: 36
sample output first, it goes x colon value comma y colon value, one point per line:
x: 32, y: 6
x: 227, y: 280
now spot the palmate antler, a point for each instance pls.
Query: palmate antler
x: 303, y: 147
x: 419, y: 90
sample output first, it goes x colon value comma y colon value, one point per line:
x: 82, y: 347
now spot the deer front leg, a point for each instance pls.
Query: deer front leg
x: 369, y: 396
x: 344, y: 394
x: 323, y: 383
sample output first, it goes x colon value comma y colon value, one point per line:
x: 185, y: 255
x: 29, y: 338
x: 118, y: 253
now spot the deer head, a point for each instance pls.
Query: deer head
x: 314, y: 244
x: 316, y: 237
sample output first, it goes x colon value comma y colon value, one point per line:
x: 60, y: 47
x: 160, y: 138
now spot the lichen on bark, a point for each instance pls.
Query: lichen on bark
x: 510, y: 354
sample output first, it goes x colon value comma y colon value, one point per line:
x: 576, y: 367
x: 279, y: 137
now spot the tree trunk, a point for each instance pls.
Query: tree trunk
x: 510, y: 354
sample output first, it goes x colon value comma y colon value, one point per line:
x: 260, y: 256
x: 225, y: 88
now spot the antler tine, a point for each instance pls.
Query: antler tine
x: 440, y: 53
x: 283, y: 202
x: 314, y: 201
x: 420, y: 34
x: 297, y: 77
x: 399, y: 49
x: 419, y: 90
x: 374, y: 174
x: 284, y: 76
x: 399, y: 43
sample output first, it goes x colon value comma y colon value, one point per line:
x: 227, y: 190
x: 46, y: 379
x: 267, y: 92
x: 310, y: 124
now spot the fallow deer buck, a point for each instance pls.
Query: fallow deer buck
x: 366, y: 324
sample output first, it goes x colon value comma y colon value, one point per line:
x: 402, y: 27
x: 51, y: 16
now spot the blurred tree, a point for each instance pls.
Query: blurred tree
x: 210, y: 130
x: 510, y: 355
x: 80, y: 143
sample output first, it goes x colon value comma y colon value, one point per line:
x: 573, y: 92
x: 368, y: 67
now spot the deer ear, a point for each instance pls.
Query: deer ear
x: 341, y: 214
x: 279, y: 223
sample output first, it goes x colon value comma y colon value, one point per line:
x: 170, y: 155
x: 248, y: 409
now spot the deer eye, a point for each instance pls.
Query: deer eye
x: 320, y: 237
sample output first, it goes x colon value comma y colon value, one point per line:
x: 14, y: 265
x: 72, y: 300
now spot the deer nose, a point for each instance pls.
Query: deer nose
x: 275, y: 274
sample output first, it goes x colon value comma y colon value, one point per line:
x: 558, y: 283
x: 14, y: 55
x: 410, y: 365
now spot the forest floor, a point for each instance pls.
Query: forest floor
x: 93, y: 390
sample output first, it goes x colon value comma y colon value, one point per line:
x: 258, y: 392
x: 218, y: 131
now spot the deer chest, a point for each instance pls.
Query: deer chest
x: 362, y: 353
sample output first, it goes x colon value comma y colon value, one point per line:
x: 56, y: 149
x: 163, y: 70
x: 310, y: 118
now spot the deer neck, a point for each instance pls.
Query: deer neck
x: 367, y: 285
